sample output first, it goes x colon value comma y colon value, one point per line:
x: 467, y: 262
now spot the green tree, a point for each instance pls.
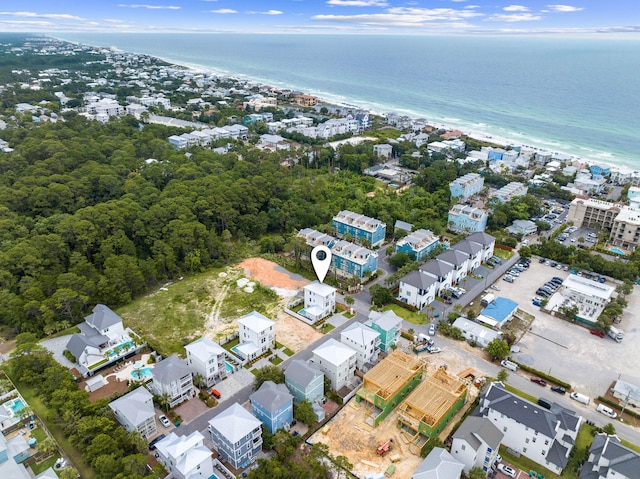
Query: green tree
x: 609, y: 429
x: 303, y: 412
x: 349, y: 300
x: 503, y: 375
x: 268, y: 373
x: 477, y: 473
x: 497, y: 349
x: 398, y: 260
x: 380, y: 295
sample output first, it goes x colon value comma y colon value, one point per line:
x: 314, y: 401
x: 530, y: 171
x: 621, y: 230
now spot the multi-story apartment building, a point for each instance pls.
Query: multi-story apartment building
x: 466, y: 219
x: 466, y: 186
x: 418, y: 244
x: 510, y: 191
x: 360, y: 227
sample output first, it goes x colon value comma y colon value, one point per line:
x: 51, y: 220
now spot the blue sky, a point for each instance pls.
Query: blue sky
x: 620, y: 17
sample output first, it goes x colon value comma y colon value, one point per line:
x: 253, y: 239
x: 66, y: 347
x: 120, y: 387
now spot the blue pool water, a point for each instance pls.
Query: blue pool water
x: 617, y: 250
x: 16, y: 405
x: 143, y: 373
x: 302, y: 312
x: 228, y: 366
x: 235, y: 349
x: 124, y: 346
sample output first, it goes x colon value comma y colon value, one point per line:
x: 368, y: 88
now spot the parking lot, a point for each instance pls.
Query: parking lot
x: 568, y: 351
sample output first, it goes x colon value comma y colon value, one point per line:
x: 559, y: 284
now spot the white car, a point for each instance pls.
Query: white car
x: 607, y: 411
x: 432, y: 329
x: 164, y: 421
x: 506, y: 470
x: 493, y: 286
x: 434, y: 350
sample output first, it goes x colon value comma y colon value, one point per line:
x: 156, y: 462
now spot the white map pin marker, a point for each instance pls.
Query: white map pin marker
x: 321, y: 260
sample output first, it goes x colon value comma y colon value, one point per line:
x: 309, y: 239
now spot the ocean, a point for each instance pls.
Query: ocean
x: 574, y: 95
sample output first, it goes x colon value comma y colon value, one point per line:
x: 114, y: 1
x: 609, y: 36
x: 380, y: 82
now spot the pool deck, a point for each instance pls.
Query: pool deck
x: 123, y: 371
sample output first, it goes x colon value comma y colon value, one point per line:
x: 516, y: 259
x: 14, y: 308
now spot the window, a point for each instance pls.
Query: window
x: 526, y: 441
x: 504, y: 429
x: 463, y: 447
x: 524, y: 450
x: 546, y: 442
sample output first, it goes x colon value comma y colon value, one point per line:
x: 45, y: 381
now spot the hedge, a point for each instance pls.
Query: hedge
x: 617, y: 406
x: 543, y: 375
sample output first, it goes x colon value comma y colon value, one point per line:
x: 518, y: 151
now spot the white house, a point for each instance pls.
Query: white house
x: 364, y: 341
x: 609, y: 459
x: 418, y: 289
x: 135, y: 412
x: 337, y: 361
x: 475, y: 443
x: 185, y: 457
x: 256, y: 333
x: 458, y: 260
x: 319, y: 300
x: 475, y: 332
x: 173, y: 377
x: 208, y: 359
x: 237, y: 436
x: 485, y: 240
x: 442, y: 272
x: 542, y: 435
x: 439, y: 464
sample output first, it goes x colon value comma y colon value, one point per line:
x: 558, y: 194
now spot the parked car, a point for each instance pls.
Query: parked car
x: 507, y: 470
x: 434, y: 350
x: 493, y: 286
x: 215, y: 393
x: 597, y: 332
x: 558, y: 389
x: 508, y: 279
x: 432, y: 329
x: 543, y: 292
x: 607, y: 411
x: 164, y: 421
x: 539, y: 381
x: 152, y: 444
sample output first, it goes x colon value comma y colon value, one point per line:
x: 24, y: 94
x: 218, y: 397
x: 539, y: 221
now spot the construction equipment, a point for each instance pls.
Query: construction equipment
x: 385, y: 447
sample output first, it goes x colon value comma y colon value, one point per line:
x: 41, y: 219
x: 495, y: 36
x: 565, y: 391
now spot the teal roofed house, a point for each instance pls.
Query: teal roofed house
x: 360, y: 227
x: 388, y: 324
x: 418, y: 244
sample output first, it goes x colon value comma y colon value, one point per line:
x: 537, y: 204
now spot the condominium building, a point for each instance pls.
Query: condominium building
x: 466, y: 186
x: 466, y: 219
x: 360, y: 227
x: 418, y: 244
x: 510, y: 191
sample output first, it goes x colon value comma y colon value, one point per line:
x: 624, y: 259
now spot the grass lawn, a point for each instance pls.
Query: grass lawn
x: 39, y: 467
x: 583, y: 442
x: 526, y: 464
x: 348, y: 315
x: 630, y: 445
x: 39, y: 434
x: 231, y: 344
x: 412, y: 316
x: 276, y: 360
x: 326, y: 327
x: 41, y: 411
x: 503, y: 253
x: 288, y: 352
x: 524, y: 395
x: 170, y: 318
x: 254, y: 371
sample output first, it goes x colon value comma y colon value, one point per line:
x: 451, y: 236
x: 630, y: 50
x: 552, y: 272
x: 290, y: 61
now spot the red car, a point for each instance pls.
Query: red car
x: 539, y: 381
x: 597, y: 332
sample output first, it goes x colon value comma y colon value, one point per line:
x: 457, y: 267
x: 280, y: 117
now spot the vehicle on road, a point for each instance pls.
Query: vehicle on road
x: 164, y: 421
x: 434, y: 350
x: 597, y: 332
x: 607, y: 411
x: 509, y: 365
x: 507, y: 470
x: 558, y: 389
x: 432, y: 329
x: 539, y: 381
x: 580, y: 398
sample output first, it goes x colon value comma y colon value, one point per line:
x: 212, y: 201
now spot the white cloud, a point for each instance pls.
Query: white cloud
x: 516, y: 17
x: 516, y: 8
x: 52, y: 16
x: 150, y: 7
x: 358, y: 3
x: 223, y: 11
x: 268, y: 12
x: 34, y: 23
x: 564, y: 8
x: 113, y: 20
x: 407, y: 17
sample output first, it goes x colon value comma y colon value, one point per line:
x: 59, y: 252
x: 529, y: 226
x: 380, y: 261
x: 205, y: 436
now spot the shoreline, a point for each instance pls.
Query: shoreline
x: 330, y: 99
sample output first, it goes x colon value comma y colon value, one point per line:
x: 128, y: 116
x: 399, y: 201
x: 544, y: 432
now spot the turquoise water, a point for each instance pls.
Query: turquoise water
x: 235, y: 349
x: 574, y: 95
x: 617, y: 250
x: 302, y: 312
x: 17, y: 406
x: 143, y: 373
x: 228, y: 366
x: 114, y: 352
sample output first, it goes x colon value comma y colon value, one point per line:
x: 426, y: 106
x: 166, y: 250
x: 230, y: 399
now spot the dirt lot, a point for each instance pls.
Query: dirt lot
x: 349, y: 434
x: 289, y: 331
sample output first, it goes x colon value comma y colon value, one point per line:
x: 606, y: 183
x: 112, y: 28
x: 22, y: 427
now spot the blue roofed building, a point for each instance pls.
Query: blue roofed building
x: 466, y: 219
x: 498, y: 313
x: 360, y: 227
x: 273, y: 405
x: 466, y: 186
x: 600, y: 170
x: 418, y: 244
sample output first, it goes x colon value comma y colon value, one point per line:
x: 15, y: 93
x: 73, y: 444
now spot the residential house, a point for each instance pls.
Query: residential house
x: 418, y: 244
x: 475, y: 332
x: 389, y: 325
x: 441, y: 271
x: 173, y: 379
x: 384, y: 151
x: 522, y: 227
x: 466, y: 219
x: 337, y: 361
x: 609, y: 458
x: 135, y: 412
x: 237, y: 436
x: 439, y: 464
x: 545, y: 436
x: 475, y: 443
x: 360, y: 227
x: 12, y: 453
x: 510, y: 191
x: 473, y: 250
x: 487, y: 242
x: 305, y: 382
x: 364, y: 341
x: 418, y: 289
x: 256, y: 334
x: 466, y: 186
x: 273, y: 405
x: 102, y: 336
x: 207, y: 359
x: 314, y: 238
x: 498, y: 312
x: 458, y: 260
x: 185, y: 457
x: 319, y: 300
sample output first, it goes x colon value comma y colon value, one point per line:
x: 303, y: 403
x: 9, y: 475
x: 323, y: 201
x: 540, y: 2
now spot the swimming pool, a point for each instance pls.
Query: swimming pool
x: 122, y: 347
x: 228, y: 366
x: 15, y: 406
x: 617, y: 251
x: 144, y: 373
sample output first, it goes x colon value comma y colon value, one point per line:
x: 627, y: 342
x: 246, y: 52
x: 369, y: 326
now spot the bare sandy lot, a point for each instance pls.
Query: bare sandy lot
x: 293, y: 333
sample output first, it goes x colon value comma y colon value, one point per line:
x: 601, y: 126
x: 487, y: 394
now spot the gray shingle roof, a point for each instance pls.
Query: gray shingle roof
x: 419, y: 280
x: 102, y: 317
x: 436, y: 267
x: 453, y: 256
x: 302, y: 373
x: 171, y: 369
x: 439, y: 464
x: 134, y: 406
x: 272, y: 396
x: 474, y: 427
x: 481, y: 237
x: 470, y: 247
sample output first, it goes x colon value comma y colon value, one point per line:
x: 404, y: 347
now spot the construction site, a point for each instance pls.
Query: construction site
x: 388, y: 383
x: 390, y: 448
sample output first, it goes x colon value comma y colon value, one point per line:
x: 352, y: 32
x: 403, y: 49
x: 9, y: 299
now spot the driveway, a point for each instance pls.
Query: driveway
x: 57, y: 347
